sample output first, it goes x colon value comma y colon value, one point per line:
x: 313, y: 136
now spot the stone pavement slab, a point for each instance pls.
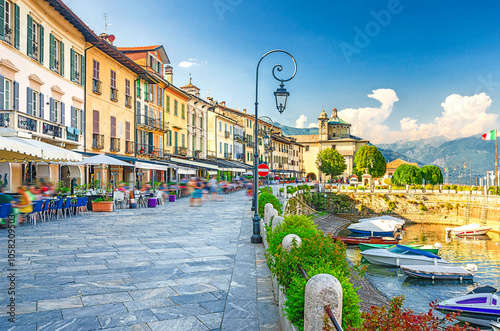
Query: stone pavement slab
x: 173, y: 267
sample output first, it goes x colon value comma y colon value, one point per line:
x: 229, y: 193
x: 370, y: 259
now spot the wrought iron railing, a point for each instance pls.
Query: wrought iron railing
x: 128, y: 101
x: 227, y: 134
x: 228, y: 156
x: 52, y: 130
x: 183, y: 151
x: 97, y: 141
x: 115, y: 145
x: 96, y: 86
x: 7, y: 34
x: 26, y: 123
x: 129, y: 147
x: 114, y: 94
x: 149, y: 150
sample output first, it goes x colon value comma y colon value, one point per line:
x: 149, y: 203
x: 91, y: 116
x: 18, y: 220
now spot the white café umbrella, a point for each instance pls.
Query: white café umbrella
x: 18, y: 151
x: 103, y: 159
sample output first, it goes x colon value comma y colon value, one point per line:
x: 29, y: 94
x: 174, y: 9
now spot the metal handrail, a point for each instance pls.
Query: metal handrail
x: 328, y: 310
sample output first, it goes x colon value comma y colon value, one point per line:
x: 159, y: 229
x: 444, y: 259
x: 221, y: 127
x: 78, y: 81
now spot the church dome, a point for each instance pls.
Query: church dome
x: 323, y: 116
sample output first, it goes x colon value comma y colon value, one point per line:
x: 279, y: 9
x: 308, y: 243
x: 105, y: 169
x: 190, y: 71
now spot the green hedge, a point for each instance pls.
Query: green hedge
x: 317, y: 254
x: 265, y: 198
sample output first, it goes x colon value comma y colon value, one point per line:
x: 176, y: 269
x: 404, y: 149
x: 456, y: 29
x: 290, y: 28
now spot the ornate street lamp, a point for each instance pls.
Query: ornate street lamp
x: 470, y: 166
x: 281, y: 96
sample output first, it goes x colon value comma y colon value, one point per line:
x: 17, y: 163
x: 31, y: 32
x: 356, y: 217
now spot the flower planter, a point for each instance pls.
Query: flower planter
x: 100, y: 206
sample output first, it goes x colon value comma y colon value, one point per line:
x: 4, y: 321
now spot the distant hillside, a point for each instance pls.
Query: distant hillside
x: 291, y: 131
x: 391, y: 156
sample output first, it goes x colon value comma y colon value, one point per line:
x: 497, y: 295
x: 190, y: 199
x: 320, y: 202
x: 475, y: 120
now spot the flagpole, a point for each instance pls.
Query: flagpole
x: 496, y: 159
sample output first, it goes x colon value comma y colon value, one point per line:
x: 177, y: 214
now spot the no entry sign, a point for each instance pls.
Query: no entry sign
x: 263, y: 170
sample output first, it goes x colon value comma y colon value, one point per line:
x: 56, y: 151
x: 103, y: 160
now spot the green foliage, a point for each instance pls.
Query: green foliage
x: 446, y: 187
x: 317, y: 254
x: 101, y: 199
x: 332, y: 162
x: 266, y: 190
x: 407, y: 174
x: 429, y: 187
x: 364, y: 158
x: 432, y: 174
x: 454, y: 186
x: 391, y: 205
x: 265, y: 198
x: 387, y: 181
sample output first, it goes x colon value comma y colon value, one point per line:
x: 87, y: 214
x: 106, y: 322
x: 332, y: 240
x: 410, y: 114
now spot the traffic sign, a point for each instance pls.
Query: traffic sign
x: 263, y: 170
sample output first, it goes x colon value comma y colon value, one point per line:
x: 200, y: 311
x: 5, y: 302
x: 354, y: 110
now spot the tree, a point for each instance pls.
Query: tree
x: 371, y: 158
x: 332, y: 162
x: 432, y: 174
x: 407, y: 174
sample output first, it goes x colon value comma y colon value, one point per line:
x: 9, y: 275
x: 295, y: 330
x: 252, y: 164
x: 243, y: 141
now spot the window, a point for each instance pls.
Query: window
x: 55, y: 111
x: 10, y: 22
x: 95, y: 71
x: 33, y: 102
x: 231, y: 130
x: 127, y: 87
x: 307, y: 148
x: 225, y: 127
x: 152, y: 62
x: 56, y: 55
x: 127, y: 131
x: 220, y: 147
x: 7, y: 94
x: 35, y: 40
x: 77, y: 68
x: 183, y: 111
x: 95, y: 121
x: 168, y: 104
x: 333, y: 146
x: 220, y: 126
x: 113, y: 127
x: 183, y: 140
x: 201, y: 122
x: 176, y: 107
x: 158, y: 67
x: 113, y: 91
x: 138, y: 88
x: 113, y: 79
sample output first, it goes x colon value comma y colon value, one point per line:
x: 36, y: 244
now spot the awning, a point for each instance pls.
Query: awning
x: 194, y: 163
x: 151, y: 166
x: 212, y: 172
x: 50, y: 152
x: 185, y: 171
x: 12, y: 150
x: 103, y: 159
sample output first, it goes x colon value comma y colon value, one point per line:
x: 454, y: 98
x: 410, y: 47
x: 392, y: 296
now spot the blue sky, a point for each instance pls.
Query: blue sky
x: 431, y: 67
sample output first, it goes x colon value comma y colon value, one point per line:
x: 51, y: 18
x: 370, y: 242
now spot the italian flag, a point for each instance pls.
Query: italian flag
x: 490, y: 135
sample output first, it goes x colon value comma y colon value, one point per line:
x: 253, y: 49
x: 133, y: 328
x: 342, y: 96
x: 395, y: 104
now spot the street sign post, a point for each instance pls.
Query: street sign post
x: 263, y: 170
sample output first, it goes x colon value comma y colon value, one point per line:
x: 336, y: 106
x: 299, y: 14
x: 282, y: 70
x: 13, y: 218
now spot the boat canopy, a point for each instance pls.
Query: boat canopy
x: 419, y: 252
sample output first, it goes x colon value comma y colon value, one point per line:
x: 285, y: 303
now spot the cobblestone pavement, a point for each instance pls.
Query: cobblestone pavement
x: 173, y: 267
x: 369, y: 295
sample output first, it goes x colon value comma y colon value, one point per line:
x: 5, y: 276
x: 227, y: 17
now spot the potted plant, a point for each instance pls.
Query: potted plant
x: 103, y: 204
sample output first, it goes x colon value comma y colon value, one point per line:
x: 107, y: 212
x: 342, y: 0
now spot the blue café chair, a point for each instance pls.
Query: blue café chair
x: 37, y: 210
x: 66, y: 207
x: 56, y: 207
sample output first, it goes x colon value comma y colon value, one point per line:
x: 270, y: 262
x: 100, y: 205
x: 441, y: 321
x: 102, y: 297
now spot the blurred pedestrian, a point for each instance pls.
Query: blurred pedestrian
x: 24, y: 204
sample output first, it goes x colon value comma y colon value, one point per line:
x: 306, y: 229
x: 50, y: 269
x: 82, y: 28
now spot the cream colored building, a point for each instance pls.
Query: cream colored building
x: 333, y: 133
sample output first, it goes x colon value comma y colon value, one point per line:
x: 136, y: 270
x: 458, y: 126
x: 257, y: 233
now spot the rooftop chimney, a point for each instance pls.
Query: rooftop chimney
x: 168, y: 74
x: 223, y: 103
x: 245, y: 111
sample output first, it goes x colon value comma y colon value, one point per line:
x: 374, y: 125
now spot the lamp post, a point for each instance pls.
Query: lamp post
x: 456, y: 167
x: 281, y: 96
x: 470, y: 166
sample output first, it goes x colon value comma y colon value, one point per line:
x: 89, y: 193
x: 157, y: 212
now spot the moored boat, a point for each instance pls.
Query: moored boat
x: 468, y: 230
x: 375, y: 227
x: 480, y: 306
x: 368, y: 240
x: 401, y: 255
x: 495, y: 325
x: 434, y: 249
x: 440, y: 272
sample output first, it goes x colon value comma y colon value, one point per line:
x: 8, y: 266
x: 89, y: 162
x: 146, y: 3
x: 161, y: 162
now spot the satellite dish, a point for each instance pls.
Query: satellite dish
x: 111, y: 38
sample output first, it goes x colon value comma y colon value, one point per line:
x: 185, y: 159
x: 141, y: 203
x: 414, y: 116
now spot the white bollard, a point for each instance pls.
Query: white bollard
x: 272, y: 213
x: 277, y: 221
x: 322, y: 290
x: 290, y: 241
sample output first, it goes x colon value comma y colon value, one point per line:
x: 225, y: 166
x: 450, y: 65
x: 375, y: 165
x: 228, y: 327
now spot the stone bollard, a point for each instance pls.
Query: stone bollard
x: 269, y: 216
x: 322, y: 290
x: 290, y: 241
x: 277, y: 221
x: 267, y: 208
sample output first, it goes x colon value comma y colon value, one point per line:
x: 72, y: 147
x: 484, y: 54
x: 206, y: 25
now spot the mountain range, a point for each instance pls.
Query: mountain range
x: 458, y: 155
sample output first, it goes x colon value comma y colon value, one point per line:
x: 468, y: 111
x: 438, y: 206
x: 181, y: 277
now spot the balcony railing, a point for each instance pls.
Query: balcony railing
x: 227, y: 134
x: 34, y: 51
x: 228, y: 156
x: 128, y: 101
x: 240, y: 157
x: 8, y: 34
x: 211, y: 154
x: 114, y: 94
x: 129, y: 147
x: 239, y: 137
x: 96, y: 86
x: 26, y: 123
x: 97, y: 141
x: 115, y: 145
x: 52, y: 130
x: 149, y: 150
x: 71, y: 134
x: 183, y: 151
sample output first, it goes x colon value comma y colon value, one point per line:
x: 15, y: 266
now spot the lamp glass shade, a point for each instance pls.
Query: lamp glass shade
x: 266, y: 140
x: 281, y: 96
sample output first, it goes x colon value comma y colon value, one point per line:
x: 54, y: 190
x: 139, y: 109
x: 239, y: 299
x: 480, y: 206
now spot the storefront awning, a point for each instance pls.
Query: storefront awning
x: 151, y: 166
x: 49, y: 152
x: 186, y: 171
x: 194, y: 163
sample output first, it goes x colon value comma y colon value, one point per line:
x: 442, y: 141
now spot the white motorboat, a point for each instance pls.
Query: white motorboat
x: 399, y: 223
x: 480, y: 306
x: 374, y: 228
x: 468, y: 230
x: 402, y: 255
x: 440, y: 272
x: 495, y: 325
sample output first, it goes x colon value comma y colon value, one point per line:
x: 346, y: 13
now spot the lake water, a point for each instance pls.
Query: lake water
x: 484, y: 251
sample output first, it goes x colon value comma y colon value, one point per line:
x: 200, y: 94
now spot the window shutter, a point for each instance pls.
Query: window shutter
x: 168, y: 104
x: 63, y: 114
x: 52, y: 51
x: 138, y: 88
x: 82, y: 72
x: 41, y: 105
x: 113, y: 126
x: 29, y: 110
x: 2, y: 22
x: 16, y: 23
x: 40, y: 53
x: 73, y: 117
x: 61, y: 63
x: 30, y: 36
x: 82, y: 120
x: 127, y: 131
x: 16, y: 95
x: 2, y: 86
x: 96, y: 122
x: 145, y: 91
x: 138, y: 110
x: 146, y: 110
x: 52, y: 111
x: 72, y: 64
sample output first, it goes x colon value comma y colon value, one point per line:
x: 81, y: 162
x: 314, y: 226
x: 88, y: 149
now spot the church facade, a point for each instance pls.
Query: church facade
x: 333, y: 133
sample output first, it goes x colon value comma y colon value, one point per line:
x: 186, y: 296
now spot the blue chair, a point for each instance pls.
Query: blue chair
x: 45, y: 209
x: 5, y: 211
x: 66, y: 207
x: 37, y: 209
x: 73, y: 206
x: 82, y: 204
x: 56, y: 207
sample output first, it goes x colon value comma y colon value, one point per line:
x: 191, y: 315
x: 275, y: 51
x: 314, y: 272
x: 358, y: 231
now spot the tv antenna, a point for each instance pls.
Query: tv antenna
x: 106, y: 23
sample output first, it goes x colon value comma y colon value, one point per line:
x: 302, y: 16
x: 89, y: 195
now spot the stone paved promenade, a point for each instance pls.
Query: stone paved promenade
x: 173, y: 267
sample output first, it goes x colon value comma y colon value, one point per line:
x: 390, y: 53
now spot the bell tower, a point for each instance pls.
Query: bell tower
x: 323, y: 126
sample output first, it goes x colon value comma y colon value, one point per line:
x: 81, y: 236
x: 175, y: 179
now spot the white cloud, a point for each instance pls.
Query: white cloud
x: 313, y: 125
x: 462, y: 116
x: 301, y: 121
x: 191, y: 62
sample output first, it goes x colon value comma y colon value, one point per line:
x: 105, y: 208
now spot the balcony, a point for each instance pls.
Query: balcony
x: 8, y: 34
x: 128, y: 101
x: 228, y: 156
x: 129, y: 147
x: 34, y: 51
x: 182, y: 151
x: 97, y: 141
x: 72, y: 134
x: 149, y: 150
x: 211, y: 154
x: 114, y: 94
x: 227, y: 134
x: 239, y: 137
x: 240, y: 157
x: 115, y: 145
x: 96, y: 86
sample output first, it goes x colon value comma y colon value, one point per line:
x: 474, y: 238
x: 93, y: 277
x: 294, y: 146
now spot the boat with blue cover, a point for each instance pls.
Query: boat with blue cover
x: 402, y: 255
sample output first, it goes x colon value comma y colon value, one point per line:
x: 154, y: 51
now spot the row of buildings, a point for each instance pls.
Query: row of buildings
x: 62, y: 84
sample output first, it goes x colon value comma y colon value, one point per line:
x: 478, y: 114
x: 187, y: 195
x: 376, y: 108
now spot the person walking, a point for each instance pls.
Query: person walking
x: 24, y: 205
x: 213, y: 187
x: 191, y: 184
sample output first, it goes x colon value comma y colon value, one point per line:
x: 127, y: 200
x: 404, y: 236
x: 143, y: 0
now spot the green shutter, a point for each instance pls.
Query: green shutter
x: 138, y: 88
x: 40, y: 54
x: 168, y: 104
x: 72, y: 64
x: 30, y: 36
x: 61, y: 63
x: 82, y: 73
x: 16, y: 27
x: 145, y: 91
x: 2, y: 19
x: 52, y: 51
